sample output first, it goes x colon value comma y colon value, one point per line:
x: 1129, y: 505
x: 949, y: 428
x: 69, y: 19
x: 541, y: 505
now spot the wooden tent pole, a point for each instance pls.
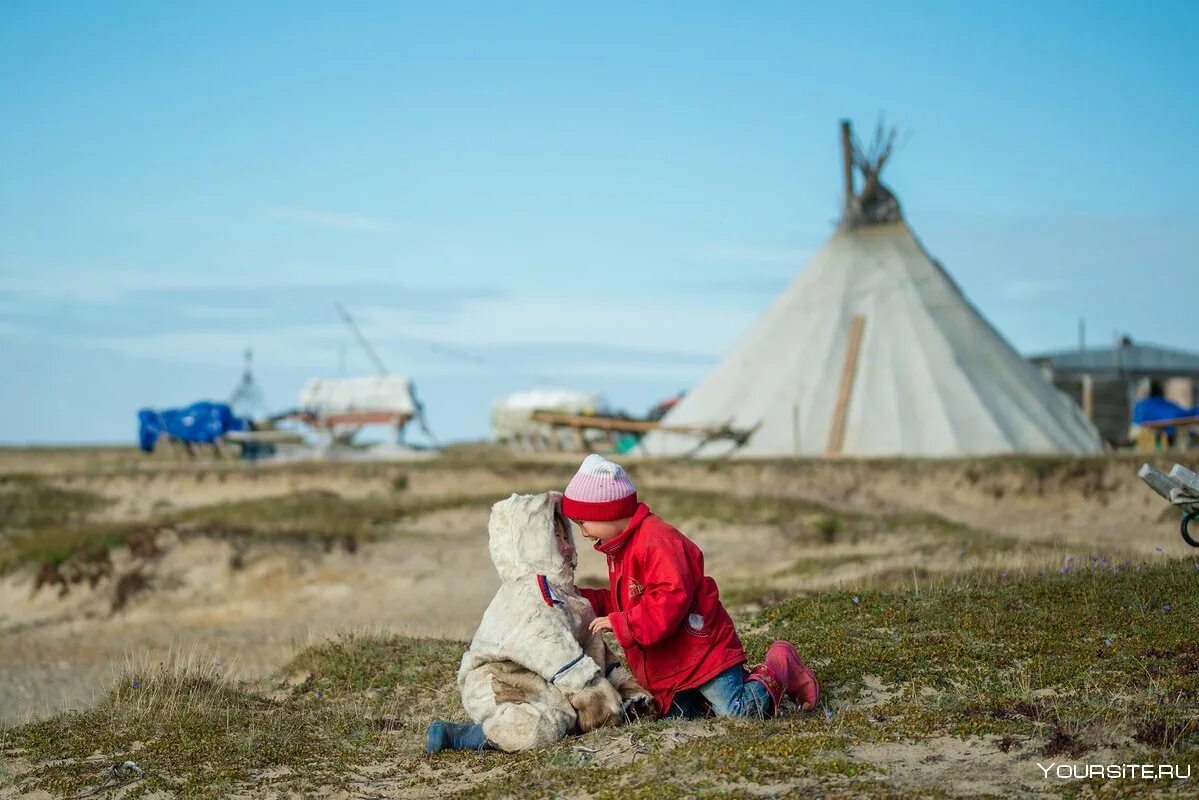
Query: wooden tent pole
x: 847, y: 162
x: 836, y: 436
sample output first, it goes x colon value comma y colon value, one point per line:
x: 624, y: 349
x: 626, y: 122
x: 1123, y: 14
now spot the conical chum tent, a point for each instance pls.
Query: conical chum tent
x: 873, y: 350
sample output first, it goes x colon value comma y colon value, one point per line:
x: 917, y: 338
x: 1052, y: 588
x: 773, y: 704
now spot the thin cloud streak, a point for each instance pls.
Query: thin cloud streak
x: 336, y: 220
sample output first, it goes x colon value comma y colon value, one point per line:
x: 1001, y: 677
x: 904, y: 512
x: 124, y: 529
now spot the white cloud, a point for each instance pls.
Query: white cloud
x: 657, y: 322
x: 615, y: 337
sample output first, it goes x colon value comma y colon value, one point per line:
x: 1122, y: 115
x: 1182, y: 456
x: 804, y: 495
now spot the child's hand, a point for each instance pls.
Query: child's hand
x: 601, y: 624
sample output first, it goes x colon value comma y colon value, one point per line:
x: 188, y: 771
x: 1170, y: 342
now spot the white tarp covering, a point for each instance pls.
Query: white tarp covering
x: 390, y: 393
x: 510, y: 415
x: 933, y: 377
x: 564, y: 400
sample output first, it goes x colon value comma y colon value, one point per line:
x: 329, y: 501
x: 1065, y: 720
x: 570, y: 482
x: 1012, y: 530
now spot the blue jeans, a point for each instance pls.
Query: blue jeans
x: 729, y: 694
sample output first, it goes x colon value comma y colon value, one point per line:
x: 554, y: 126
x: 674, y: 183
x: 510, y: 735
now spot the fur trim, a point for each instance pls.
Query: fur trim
x: 625, y: 684
x: 635, y: 702
x: 598, y: 706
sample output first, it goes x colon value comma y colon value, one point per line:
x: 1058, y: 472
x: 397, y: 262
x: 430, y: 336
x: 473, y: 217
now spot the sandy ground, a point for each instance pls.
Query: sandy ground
x: 432, y: 575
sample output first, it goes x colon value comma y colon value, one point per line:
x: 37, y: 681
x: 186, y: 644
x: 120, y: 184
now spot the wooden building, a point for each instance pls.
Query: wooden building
x: 1107, y: 382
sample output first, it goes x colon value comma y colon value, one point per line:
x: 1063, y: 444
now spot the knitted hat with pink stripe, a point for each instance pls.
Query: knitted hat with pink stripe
x: 599, y: 492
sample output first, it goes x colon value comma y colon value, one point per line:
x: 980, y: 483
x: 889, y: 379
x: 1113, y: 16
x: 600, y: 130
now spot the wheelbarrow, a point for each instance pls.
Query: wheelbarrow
x: 1181, y: 488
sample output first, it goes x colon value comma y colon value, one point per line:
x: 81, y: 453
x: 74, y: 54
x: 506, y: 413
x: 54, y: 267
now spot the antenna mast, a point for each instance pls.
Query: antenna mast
x: 247, y: 400
x: 366, y: 346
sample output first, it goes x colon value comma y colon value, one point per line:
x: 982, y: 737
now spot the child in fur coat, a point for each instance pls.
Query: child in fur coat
x: 666, y: 613
x: 535, y: 672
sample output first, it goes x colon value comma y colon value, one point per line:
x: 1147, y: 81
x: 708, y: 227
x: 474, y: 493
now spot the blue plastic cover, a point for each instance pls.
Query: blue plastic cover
x: 1155, y: 409
x: 200, y: 423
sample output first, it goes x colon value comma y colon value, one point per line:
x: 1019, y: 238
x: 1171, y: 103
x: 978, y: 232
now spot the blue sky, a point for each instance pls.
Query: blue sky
x: 601, y: 196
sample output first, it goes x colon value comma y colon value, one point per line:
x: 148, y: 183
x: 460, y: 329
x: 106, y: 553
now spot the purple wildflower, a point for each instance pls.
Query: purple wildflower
x: 855, y: 599
x: 1107, y: 642
x: 1166, y: 608
x: 136, y: 683
x: 1158, y: 549
x: 320, y: 692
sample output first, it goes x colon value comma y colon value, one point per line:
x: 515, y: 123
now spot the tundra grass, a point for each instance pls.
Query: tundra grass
x: 1099, y: 658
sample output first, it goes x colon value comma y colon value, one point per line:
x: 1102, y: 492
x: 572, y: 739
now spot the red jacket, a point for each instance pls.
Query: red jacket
x: 665, y: 612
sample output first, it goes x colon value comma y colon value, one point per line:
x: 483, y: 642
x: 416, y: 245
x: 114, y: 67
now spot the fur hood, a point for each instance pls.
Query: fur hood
x: 522, y: 541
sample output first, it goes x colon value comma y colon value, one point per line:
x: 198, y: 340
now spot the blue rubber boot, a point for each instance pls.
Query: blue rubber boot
x: 456, y: 736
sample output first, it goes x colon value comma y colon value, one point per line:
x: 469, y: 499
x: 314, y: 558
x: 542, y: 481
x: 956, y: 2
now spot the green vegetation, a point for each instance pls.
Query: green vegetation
x: 1045, y: 667
x: 27, y: 502
x: 1097, y: 647
x: 38, y: 522
x: 198, y: 735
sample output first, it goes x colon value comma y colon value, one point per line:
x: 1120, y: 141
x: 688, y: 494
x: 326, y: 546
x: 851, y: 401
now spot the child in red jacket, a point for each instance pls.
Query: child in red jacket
x: 666, y: 613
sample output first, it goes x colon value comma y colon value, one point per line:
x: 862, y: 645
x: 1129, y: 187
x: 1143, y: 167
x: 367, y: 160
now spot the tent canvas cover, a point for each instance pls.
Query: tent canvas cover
x: 385, y: 393
x: 929, y: 376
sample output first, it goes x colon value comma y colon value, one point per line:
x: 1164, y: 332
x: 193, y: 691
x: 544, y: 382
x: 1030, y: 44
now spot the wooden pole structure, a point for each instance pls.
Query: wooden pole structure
x: 795, y: 427
x: 1088, y: 397
x: 836, y: 435
x: 847, y: 162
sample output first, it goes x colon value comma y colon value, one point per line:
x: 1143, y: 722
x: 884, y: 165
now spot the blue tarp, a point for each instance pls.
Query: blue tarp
x: 199, y: 423
x: 1155, y: 409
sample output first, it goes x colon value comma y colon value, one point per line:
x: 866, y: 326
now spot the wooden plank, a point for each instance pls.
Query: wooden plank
x: 836, y: 435
x: 265, y: 437
x: 583, y: 421
x: 1158, y: 481
x: 601, y: 423
x: 1177, y: 422
x: 1185, y: 477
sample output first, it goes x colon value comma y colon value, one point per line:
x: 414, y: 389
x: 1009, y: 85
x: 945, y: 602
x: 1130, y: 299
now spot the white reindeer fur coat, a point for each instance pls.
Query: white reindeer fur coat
x: 533, y: 652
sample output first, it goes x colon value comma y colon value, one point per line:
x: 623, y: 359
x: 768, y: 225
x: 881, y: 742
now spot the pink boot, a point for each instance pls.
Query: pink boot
x: 785, y: 673
x: 762, y: 674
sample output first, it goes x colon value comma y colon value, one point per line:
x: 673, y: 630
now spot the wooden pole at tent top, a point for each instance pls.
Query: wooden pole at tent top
x: 847, y: 162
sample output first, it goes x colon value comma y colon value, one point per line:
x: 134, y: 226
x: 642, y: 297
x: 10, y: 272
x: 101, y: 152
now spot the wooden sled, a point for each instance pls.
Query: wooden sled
x: 1181, y: 488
